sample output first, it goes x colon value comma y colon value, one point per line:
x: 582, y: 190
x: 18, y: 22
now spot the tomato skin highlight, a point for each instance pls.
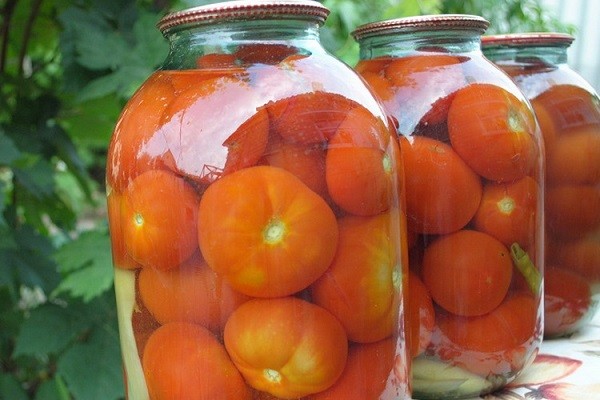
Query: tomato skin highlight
x: 266, y: 232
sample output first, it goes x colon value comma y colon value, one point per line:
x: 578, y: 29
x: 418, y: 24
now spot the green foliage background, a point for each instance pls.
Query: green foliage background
x: 66, y: 70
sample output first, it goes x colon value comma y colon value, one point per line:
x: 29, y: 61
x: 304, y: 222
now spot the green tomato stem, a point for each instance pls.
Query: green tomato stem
x: 526, y: 267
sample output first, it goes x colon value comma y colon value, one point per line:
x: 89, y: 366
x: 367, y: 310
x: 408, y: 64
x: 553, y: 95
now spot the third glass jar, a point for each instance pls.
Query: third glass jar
x: 568, y: 112
x: 473, y: 162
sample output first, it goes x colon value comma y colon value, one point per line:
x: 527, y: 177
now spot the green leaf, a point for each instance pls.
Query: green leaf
x: 8, y: 151
x: 10, y: 388
x: 54, y: 389
x: 91, y: 123
x: 33, y: 339
x: 100, y: 50
x: 27, y: 259
x: 92, y: 370
x: 37, y: 178
x: 87, y: 265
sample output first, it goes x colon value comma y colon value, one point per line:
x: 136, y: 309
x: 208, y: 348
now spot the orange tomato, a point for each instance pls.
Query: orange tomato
x: 160, y: 234
x: 191, y: 293
x: 185, y: 361
x: 421, y: 315
x: 570, y: 107
x: 572, y: 211
x: 366, y: 373
x: 360, y: 173
x: 508, y: 326
x: 192, y: 130
x: 309, y: 118
x: 137, y: 144
x: 493, y: 131
x: 120, y: 257
x: 306, y: 162
x: 442, y: 192
x: 546, y: 124
x: 363, y: 285
x: 287, y: 347
x: 374, y: 65
x: 567, y: 298
x: 382, y: 88
x: 575, y: 159
x: 218, y: 61
x: 266, y: 232
x: 468, y: 273
x: 427, y: 82
x: 509, y: 211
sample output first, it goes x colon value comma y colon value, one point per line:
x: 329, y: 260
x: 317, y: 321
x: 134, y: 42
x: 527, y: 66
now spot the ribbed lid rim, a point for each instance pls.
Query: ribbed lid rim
x: 423, y: 23
x: 244, y: 9
x: 527, y: 39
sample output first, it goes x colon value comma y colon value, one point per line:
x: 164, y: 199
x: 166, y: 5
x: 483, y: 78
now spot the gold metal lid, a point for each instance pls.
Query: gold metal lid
x: 528, y: 39
x: 423, y: 23
x: 245, y: 10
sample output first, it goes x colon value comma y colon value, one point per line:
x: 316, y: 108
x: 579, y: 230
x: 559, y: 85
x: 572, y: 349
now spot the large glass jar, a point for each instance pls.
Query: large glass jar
x: 473, y: 163
x: 568, y: 112
x: 254, y: 194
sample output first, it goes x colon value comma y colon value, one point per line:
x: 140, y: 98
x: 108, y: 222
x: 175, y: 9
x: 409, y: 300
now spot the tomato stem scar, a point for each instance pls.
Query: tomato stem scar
x: 526, y: 267
x: 271, y: 375
x: 138, y: 219
x: 274, y: 231
x: 506, y: 205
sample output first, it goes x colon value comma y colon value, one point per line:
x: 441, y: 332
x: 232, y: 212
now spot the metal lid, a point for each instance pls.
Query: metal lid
x: 245, y: 10
x: 528, y: 39
x: 423, y: 23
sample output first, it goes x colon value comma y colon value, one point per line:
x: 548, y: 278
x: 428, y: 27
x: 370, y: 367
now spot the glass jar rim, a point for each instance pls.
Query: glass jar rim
x: 421, y: 23
x: 528, y: 39
x: 245, y: 10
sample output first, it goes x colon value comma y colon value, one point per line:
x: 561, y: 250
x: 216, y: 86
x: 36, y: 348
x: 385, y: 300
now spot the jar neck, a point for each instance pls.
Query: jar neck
x: 527, y: 56
x: 191, y: 41
x: 400, y: 44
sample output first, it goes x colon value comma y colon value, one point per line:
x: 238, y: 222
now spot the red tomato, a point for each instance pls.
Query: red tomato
x: 468, y: 273
x: 206, y: 144
x: 366, y: 374
x: 362, y: 287
x: 185, y: 361
x: 567, y: 299
x: 121, y: 259
x: 421, y: 315
x: 493, y: 131
x: 442, y: 192
x: 137, y: 144
x: 159, y: 211
x: 572, y: 211
x: 575, y: 159
x: 509, y: 211
x: 266, y: 232
x: 287, y: 347
x: 360, y: 173
x: 191, y: 293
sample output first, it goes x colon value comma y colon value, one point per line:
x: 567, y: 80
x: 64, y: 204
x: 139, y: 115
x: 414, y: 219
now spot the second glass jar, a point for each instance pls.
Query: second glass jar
x: 473, y: 162
x: 568, y: 111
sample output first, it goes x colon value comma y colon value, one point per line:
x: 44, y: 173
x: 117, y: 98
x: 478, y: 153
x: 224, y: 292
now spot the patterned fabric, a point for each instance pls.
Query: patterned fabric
x: 565, y: 369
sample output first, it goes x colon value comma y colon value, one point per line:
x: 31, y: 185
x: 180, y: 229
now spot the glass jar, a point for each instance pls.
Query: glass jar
x: 254, y: 195
x: 568, y: 112
x: 473, y: 164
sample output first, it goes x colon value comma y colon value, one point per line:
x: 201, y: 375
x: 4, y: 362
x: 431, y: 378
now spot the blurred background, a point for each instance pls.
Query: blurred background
x: 582, y: 15
x: 67, y: 68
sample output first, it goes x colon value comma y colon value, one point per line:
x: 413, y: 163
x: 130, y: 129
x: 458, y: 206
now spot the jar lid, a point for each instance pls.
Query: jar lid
x: 423, y: 23
x: 245, y: 10
x: 528, y: 39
